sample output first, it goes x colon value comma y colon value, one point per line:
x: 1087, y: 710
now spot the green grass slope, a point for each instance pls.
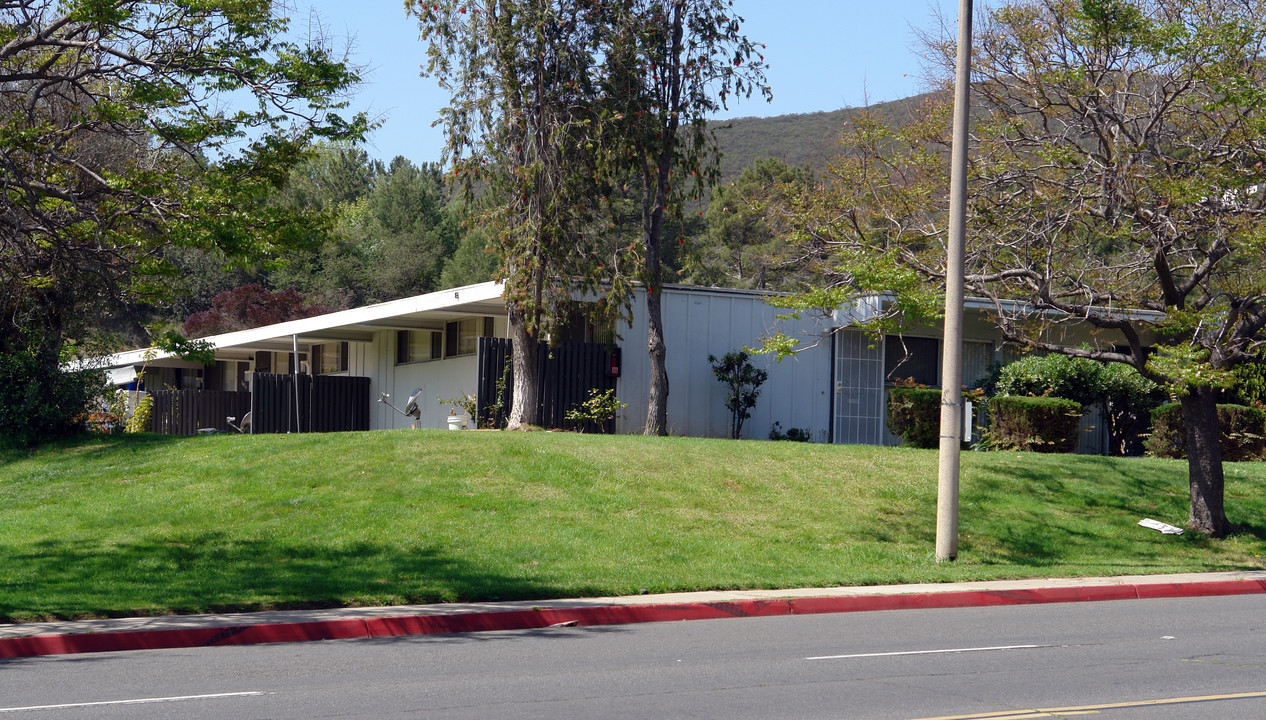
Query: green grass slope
x: 154, y: 525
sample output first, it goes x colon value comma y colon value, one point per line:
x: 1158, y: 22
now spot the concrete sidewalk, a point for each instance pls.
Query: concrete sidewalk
x: 59, y: 638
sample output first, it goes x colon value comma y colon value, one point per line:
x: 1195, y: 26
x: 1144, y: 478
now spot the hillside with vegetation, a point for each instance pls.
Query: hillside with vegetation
x: 805, y: 140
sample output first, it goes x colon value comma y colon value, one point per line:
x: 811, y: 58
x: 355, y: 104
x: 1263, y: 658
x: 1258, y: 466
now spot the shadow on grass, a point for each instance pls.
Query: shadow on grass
x: 82, y: 447
x: 1040, y: 514
x: 212, y: 572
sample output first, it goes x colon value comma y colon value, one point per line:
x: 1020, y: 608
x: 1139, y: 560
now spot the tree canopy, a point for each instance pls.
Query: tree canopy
x: 123, y: 132
x: 1116, y: 179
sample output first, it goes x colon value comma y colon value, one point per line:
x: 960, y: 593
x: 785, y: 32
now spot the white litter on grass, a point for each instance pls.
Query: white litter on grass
x: 1158, y: 525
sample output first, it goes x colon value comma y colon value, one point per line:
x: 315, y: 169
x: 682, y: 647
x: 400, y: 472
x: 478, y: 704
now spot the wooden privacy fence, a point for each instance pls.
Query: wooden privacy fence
x: 327, y: 403
x: 567, y: 374
x: 182, y: 412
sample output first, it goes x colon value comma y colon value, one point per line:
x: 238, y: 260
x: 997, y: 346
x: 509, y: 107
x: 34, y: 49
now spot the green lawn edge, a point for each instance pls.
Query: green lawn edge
x: 153, y: 525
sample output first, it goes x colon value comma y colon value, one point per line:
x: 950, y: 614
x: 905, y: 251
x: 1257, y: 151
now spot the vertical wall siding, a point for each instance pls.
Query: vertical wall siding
x: 699, y: 322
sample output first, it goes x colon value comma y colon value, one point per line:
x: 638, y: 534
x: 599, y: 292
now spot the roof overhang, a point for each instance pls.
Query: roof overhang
x: 420, y: 312
x: 868, y: 307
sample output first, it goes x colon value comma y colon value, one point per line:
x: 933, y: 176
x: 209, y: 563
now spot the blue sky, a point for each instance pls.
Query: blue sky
x: 822, y: 56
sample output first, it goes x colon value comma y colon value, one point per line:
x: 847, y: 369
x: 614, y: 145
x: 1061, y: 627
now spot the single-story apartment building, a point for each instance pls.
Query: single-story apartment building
x: 835, y: 387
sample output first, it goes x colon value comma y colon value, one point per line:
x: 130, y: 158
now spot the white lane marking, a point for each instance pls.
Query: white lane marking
x: 139, y: 701
x: 929, y: 652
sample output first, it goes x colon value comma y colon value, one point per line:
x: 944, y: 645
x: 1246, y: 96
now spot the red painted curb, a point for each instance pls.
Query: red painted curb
x: 385, y: 627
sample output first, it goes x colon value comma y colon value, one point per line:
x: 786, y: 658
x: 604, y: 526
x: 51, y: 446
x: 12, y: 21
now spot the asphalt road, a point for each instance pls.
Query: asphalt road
x: 1176, y: 658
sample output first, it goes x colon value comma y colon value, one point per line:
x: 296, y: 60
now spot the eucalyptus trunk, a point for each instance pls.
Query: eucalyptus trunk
x: 526, y: 380
x: 653, y: 224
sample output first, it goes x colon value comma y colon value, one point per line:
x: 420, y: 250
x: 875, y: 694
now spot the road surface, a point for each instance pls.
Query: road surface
x: 1174, y: 658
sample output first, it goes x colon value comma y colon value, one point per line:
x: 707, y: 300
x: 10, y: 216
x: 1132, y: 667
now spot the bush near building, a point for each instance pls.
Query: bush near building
x: 914, y: 414
x: 1040, y: 424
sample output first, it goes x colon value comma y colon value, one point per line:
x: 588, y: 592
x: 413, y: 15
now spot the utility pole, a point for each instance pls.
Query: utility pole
x: 952, y: 348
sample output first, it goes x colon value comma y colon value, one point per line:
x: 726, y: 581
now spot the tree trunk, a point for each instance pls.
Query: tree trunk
x: 1204, y: 462
x: 657, y: 399
x: 526, y: 381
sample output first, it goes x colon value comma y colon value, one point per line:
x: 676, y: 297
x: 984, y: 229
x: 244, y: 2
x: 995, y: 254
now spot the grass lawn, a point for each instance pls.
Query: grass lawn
x: 130, y: 525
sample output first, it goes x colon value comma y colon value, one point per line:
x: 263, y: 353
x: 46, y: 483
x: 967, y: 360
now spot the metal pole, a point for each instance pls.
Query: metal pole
x: 952, y: 349
x: 294, y: 374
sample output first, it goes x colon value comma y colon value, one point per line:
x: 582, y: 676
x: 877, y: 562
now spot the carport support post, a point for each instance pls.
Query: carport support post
x: 952, y: 349
x: 294, y: 374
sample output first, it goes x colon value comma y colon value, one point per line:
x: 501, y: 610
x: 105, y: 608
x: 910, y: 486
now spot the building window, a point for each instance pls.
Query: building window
x: 577, y: 327
x: 977, y: 362
x: 418, y: 345
x: 280, y: 363
x: 915, y: 358
x: 329, y: 358
x: 462, y: 337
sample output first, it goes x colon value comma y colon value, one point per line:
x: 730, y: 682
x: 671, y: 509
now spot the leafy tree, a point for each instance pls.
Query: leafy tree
x: 474, y: 261
x: 390, y: 235
x: 522, y: 128
x: 334, y: 175
x: 411, y: 229
x: 669, y: 64
x: 739, y: 248
x: 743, y: 381
x: 249, y: 306
x: 113, y: 147
x: 1118, y: 157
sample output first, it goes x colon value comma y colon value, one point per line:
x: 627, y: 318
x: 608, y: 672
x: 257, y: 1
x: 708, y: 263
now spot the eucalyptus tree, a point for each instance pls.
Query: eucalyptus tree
x: 522, y: 130
x: 128, y: 127
x: 1117, y: 173
x: 669, y: 66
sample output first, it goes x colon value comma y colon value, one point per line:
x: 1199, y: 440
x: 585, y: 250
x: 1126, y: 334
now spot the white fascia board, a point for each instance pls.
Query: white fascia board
x: 868, y: 307
x: 430, y: 302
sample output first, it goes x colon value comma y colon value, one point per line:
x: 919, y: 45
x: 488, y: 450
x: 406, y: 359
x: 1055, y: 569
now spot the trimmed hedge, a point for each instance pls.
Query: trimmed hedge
x: 1040, y: 424
x: 915, y: 415
x: 1243, y: 431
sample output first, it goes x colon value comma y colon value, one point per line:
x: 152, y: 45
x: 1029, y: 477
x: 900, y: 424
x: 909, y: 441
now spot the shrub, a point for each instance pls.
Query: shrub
x: 1053, y: 375
x: 793, y: 434
x: 1125, y: 396
x: 1129, y: 399
x: 38, y: 402
x: 1041, y: 424
x: 1242, y: 428
x: 743, y: 380
x: 915, y: 415
x: 601, y: 407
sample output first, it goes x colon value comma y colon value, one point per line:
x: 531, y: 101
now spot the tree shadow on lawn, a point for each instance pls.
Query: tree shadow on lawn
x: 84, y: 447
x: 212, y: 572
x: 1043, y: 515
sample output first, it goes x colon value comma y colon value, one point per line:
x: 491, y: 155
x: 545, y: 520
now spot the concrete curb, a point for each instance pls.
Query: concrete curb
x: 628, y: 612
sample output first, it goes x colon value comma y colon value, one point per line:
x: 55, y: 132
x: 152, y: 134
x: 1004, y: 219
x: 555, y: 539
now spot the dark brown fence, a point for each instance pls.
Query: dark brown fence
x: 183, y: 412
x: 327, y: 403
x: 338, y: 403
x: 567, y: 374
